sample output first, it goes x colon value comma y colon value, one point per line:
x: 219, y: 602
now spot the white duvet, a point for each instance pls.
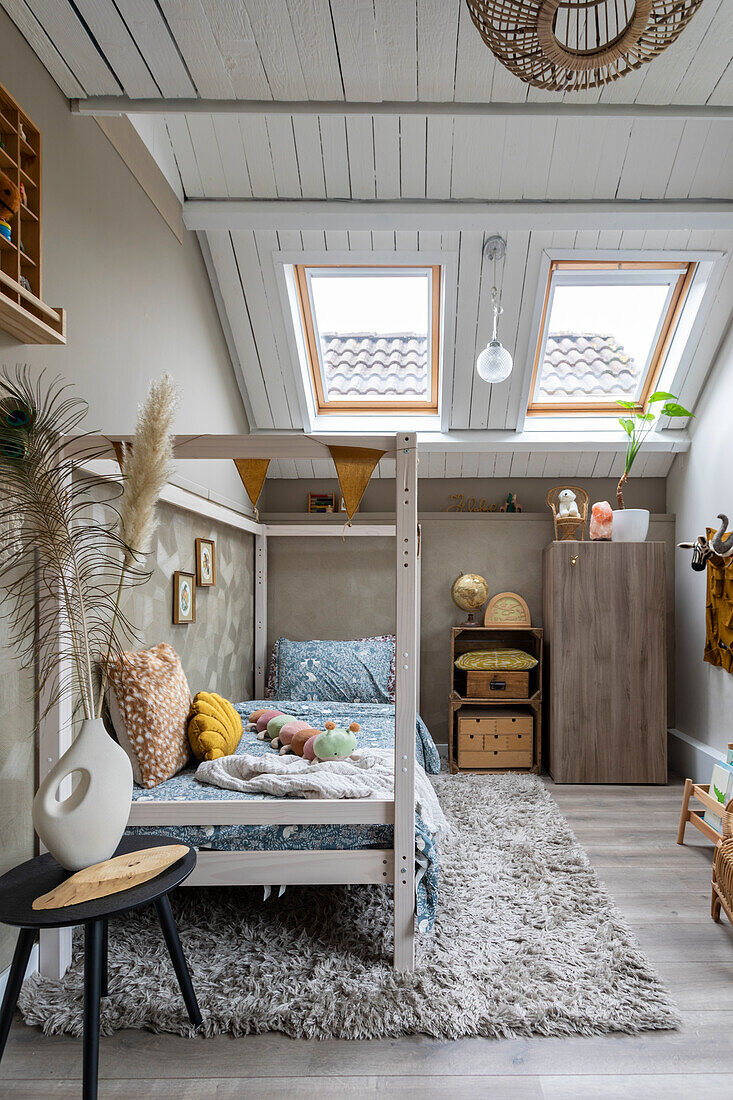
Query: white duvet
x: 367, y: 773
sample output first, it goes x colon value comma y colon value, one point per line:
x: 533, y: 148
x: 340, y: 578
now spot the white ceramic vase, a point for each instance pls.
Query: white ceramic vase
x: 86, y: 827
x: 630, y: 525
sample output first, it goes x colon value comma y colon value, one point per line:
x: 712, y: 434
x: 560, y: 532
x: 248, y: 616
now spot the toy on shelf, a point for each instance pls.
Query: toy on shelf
x: 569, y: 507
x: 567, y: 504
x: 9, y: 205
x: 601, y: 522
x: 511, y: 504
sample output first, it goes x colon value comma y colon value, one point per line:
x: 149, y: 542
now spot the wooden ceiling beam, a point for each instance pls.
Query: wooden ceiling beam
x: 451, y: 214
x: 121, y: 105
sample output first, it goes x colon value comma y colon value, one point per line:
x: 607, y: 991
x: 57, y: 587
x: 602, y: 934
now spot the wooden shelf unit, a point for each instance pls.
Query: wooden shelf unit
x: 464, y: 709
x: 23, y: 313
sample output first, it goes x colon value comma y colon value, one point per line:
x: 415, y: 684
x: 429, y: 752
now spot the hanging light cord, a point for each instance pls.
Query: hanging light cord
x: 496, y: 294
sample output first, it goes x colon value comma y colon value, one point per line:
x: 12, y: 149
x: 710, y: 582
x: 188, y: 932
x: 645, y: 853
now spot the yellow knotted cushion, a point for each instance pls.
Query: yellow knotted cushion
x: 214, y: 727
x: 496, y: 660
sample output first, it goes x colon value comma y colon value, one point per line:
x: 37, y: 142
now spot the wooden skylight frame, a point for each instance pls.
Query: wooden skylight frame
x: 357, y: 406
x: 685, y: 273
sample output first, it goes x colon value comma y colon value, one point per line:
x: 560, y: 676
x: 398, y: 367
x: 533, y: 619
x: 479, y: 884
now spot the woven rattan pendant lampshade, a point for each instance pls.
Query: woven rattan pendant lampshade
x: 569, y: 45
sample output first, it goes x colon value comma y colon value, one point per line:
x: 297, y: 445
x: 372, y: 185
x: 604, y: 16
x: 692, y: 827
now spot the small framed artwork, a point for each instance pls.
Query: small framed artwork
x: 205, y: 563
x: 184, y: 597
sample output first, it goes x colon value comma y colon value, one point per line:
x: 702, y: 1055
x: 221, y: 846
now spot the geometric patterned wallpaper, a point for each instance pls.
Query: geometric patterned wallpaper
x: 217, y: 650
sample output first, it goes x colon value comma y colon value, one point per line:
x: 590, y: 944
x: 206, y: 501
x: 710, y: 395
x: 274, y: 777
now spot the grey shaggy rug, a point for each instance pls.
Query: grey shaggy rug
x: 526, y: 942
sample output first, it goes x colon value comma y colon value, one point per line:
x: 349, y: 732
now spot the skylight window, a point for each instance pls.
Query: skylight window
x: 372, y: 337
x: 606, y: 328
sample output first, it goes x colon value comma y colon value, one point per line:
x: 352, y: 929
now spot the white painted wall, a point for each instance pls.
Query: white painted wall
x: 699, y: 486
x: 138, y: 302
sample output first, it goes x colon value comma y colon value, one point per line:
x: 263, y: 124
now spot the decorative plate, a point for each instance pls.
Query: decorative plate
x: 507, y: 609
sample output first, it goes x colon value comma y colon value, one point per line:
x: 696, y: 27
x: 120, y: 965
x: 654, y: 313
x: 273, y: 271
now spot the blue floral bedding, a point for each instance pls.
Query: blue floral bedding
x: 377, y: 730
x: 358, y: 671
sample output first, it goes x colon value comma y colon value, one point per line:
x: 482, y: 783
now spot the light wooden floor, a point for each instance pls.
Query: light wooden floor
x: 664, y: 892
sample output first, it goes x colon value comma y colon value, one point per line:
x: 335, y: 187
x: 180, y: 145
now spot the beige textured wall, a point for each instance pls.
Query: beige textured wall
x: 216, y: 650
x: 329, y: 588
x: 291, y: 495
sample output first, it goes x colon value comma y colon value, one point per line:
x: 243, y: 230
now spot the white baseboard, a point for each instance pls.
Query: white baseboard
x: 691, y: 758
x: 31, y: 969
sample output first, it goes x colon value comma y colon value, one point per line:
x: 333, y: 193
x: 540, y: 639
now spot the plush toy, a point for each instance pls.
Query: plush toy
x: 272, y: 732
x: 288, y: 731
x: 214, y: 727
x: 335, y: 743
x: 264, y: 718
x: 301, y: 738
x: 254, y: 717
x: 567, y: 505
x: 9, y: 204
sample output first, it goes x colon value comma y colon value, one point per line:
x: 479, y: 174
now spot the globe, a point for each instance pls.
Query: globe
x: 470, y: 592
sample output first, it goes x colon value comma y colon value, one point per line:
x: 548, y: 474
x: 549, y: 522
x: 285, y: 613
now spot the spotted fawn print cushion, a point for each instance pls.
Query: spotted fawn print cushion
x: 149, y: 703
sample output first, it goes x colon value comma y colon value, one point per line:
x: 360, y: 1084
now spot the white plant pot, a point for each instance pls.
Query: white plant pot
x: 86, y: 827
x: 630, y: 525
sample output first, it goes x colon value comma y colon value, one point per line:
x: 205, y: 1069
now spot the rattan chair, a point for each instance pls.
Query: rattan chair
x: 723, y: 880
x: 568, y: 527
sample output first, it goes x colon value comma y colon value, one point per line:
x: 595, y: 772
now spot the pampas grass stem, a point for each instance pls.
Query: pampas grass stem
x: 146, y: 467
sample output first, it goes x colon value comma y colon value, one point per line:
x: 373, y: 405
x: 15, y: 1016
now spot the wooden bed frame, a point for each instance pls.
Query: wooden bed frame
x: 389, y: 865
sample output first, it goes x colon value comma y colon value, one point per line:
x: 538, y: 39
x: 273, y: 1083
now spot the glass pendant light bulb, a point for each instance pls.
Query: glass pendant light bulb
x: 494, y: 363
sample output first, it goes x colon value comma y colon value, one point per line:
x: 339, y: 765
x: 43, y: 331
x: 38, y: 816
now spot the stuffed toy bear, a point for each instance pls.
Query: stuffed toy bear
x: 9, y: 204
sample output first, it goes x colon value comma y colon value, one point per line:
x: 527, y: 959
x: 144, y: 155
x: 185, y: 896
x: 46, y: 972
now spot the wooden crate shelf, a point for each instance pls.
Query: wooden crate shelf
x: 23, y: 313
x: 465, y: 638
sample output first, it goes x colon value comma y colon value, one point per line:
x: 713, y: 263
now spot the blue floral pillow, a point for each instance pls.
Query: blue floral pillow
x: 359, y: 671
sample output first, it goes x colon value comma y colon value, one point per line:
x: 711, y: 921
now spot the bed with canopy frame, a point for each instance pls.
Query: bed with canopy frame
x: 393, y: 865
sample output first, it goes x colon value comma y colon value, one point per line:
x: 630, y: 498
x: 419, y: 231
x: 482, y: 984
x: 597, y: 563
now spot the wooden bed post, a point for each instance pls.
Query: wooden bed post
x: 406, y: 643
x: 53, y: 738
x: 260, y: 609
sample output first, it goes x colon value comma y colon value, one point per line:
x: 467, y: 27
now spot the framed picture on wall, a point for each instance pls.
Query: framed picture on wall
x: 205, y: 563
x: 184, y: 597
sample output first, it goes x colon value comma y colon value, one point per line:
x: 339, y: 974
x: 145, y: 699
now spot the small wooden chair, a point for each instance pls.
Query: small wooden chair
x: 567, y: 527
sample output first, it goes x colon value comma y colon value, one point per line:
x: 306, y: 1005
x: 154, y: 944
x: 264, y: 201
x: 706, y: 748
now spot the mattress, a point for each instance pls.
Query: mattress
x: 377, y: 730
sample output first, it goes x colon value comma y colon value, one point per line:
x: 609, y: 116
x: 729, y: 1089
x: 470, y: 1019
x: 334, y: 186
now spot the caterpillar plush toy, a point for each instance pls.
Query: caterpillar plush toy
x: 290, y: 734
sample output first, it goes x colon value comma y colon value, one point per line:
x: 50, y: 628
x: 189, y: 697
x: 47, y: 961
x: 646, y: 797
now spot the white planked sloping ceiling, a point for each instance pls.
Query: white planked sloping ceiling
x: 243, y: 272
x: 411, y: 50
x: 337, y: 156
x: 354, y: 50
x: 438, y: 157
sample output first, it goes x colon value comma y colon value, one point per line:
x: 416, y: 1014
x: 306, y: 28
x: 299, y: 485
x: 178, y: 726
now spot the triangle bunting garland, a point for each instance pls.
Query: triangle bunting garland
x: 253, y: 472
x: 354, y: 467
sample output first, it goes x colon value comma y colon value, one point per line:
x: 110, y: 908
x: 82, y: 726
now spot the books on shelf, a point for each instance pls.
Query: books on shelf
x: 721, y: 789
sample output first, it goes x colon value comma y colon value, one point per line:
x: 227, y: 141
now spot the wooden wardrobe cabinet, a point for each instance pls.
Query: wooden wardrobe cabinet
x: 606, y: 662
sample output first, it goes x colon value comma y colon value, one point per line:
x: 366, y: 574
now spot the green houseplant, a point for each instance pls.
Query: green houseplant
x: 72, y: 542
x: 632, y: 524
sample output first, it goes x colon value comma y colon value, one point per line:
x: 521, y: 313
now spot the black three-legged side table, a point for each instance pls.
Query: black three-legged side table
x: 19, y: 888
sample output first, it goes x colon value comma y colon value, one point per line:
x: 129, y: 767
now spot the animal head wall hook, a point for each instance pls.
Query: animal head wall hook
x: 701, y: 552
x: 721, y: 546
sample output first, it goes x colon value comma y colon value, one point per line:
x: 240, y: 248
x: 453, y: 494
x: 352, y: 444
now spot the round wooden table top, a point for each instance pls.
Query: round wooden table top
x: 20, y: 887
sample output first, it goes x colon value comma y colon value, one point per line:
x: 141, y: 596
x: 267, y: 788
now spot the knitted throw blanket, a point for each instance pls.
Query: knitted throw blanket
x: 367, y: 773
